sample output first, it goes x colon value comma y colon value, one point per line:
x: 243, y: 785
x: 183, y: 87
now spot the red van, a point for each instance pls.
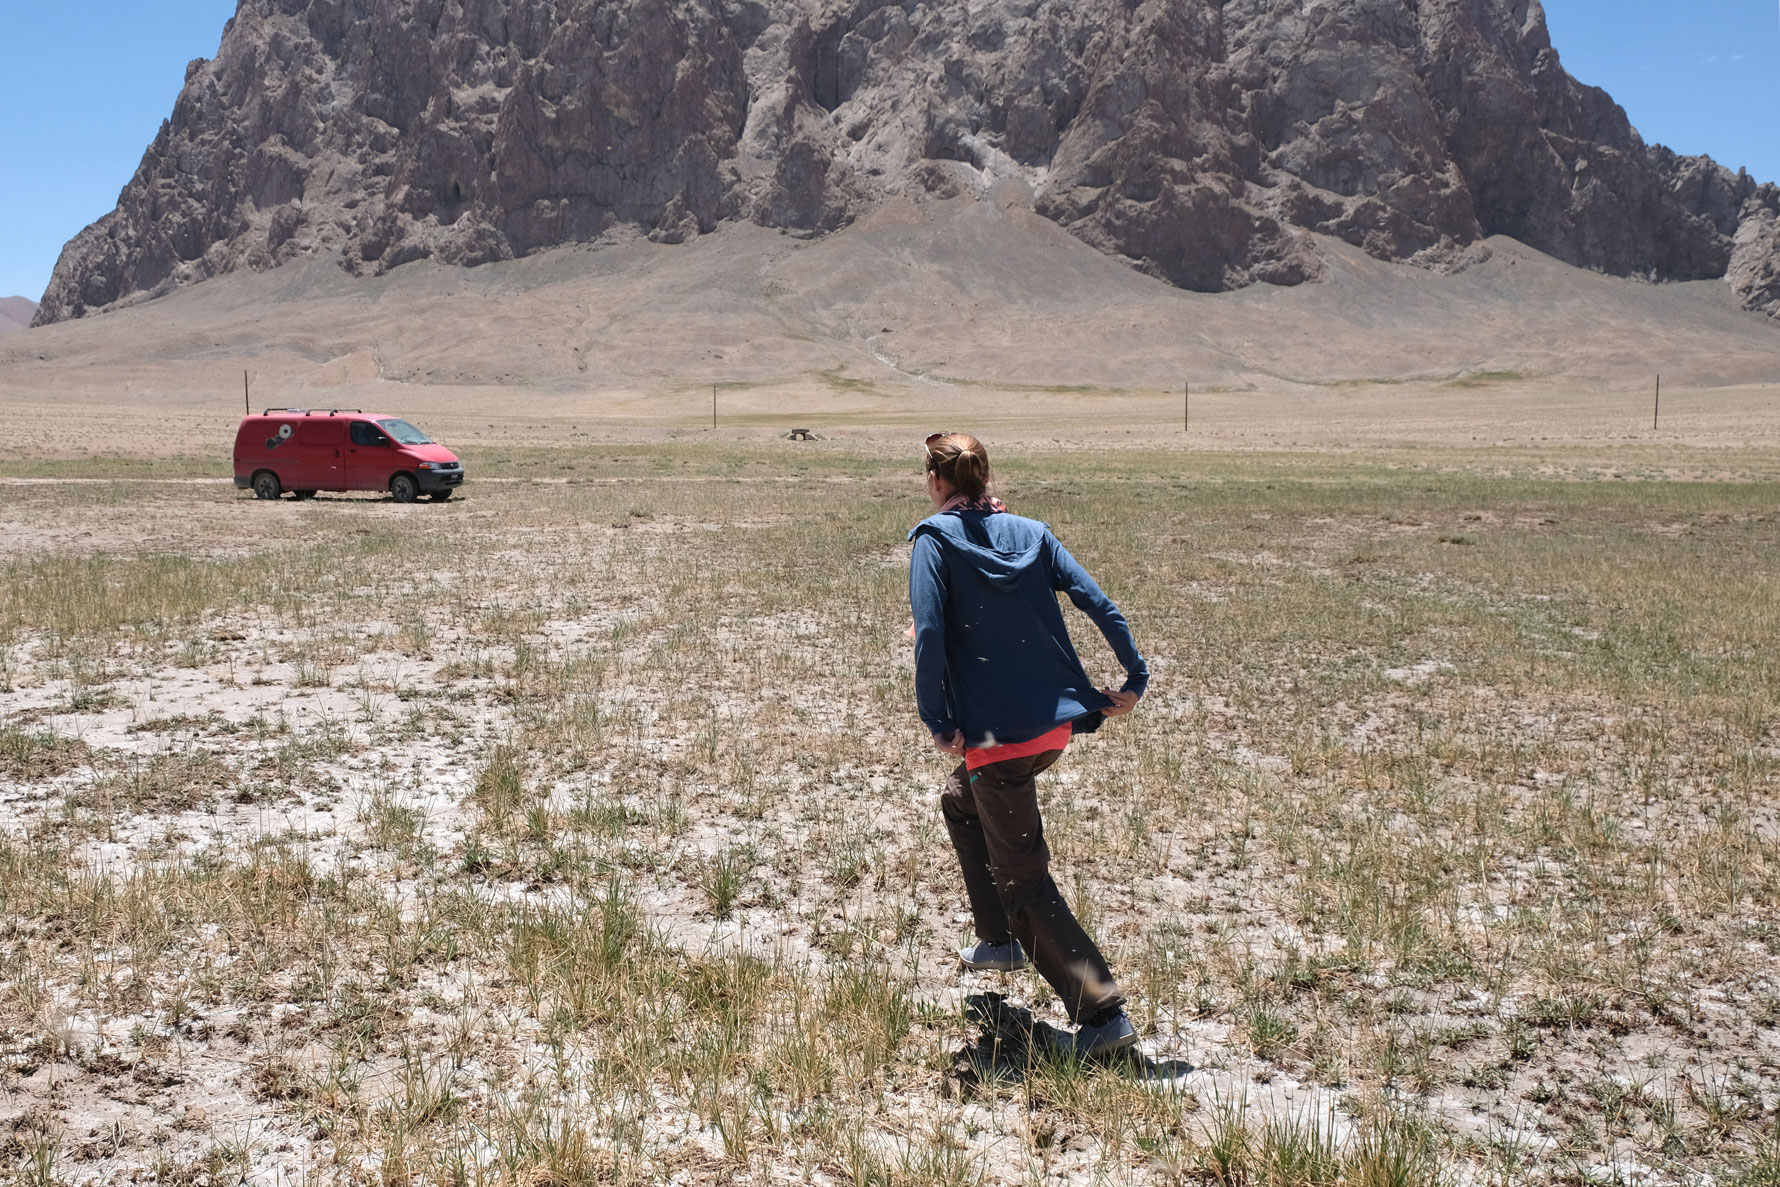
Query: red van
x: 304, y: 451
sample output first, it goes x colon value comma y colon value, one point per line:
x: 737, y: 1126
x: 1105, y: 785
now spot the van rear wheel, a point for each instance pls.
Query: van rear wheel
x: 439, y: 496
x: 302, y: 494
x: 404, y: 488
x: 266, y: 485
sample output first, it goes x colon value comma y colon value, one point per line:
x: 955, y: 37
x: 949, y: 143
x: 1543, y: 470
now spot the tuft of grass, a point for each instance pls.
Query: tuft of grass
x: 172, y: 781
x: 31, y: 756
x: 1299, y: 1151
x: 722, y: 878
x: 1762, y: 1168
x: 501, y: 791
x: 1269, y: 1033
x: 1392, y: 1150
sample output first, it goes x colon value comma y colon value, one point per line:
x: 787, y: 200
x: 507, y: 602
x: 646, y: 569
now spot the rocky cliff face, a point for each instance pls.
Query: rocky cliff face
x: 1206, y: 142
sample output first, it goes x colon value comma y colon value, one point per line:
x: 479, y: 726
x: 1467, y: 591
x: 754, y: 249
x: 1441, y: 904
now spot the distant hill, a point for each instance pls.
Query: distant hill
x: 16, y: 313
x: 957, y: 299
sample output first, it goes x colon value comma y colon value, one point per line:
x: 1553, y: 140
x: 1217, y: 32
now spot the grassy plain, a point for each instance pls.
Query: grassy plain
x: 580, y: 830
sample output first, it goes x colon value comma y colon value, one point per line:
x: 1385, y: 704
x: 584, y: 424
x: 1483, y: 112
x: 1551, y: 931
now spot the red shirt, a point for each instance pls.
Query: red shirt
x: 1057, y: 739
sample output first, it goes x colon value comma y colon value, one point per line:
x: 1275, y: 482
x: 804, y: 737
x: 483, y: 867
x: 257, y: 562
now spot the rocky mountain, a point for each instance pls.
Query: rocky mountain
x: 1206, y: 142
x: 16, y: 313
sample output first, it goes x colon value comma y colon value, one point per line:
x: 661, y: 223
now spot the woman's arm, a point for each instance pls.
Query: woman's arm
x: 1068, y: 576
x: 927, y: 598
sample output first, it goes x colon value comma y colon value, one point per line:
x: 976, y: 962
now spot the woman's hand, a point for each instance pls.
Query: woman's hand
x: 1122, y: 702
x: 952, y: 743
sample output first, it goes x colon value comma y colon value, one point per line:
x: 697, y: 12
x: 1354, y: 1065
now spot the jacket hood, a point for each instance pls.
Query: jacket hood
x: 998, y: 545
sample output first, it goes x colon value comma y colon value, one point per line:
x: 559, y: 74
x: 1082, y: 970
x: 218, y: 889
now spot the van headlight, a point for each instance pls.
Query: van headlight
x: 424, y: 466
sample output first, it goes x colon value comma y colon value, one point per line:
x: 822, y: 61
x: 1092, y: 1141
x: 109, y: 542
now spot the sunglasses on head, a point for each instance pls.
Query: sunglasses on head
x: 932, y: 437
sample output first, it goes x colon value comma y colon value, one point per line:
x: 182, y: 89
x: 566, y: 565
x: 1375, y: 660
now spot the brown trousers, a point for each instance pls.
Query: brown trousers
x: 992, y: 815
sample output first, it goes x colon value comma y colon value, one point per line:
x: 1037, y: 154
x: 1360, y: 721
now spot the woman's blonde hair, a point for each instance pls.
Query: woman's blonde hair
x: 961, y: 460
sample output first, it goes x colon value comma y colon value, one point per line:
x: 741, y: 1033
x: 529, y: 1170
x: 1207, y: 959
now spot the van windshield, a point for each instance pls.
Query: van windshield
x: 405, y: 433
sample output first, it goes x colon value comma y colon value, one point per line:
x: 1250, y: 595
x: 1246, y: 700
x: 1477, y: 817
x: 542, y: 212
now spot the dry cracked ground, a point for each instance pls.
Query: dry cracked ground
x: 580, y: 830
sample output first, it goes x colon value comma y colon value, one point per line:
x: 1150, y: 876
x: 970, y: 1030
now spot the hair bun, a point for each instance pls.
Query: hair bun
x: 961, y: 460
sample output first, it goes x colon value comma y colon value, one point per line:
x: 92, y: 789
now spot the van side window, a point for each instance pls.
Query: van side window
x: 365, y: 433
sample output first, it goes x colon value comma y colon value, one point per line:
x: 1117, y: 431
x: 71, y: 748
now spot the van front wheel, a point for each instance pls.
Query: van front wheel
x: 266, y: 485
x: 404, y: 488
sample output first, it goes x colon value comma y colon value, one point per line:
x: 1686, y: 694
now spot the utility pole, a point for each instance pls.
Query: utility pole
x: 1658, y: 410
x: 1186, y: 408
x: 246, y: 400
x: 713, y: 406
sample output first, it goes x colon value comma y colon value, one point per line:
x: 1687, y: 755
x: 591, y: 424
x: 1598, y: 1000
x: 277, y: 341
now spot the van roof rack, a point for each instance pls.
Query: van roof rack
x: 311, y: 411
x: 298, y: 411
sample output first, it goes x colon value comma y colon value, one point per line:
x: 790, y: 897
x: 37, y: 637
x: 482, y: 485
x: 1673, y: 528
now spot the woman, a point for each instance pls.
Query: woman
x: 998, y: 684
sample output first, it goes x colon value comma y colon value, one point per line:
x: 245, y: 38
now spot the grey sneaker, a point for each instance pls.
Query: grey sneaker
x: 998, y: 958
x: 1103, y: 1038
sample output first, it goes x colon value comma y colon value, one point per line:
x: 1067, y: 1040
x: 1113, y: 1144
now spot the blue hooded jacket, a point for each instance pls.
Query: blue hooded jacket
x: 992, y: 655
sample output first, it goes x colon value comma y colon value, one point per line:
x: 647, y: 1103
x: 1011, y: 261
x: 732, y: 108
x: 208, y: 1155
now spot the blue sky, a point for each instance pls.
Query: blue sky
x: 88, y: 84
x: 1696, y: 75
